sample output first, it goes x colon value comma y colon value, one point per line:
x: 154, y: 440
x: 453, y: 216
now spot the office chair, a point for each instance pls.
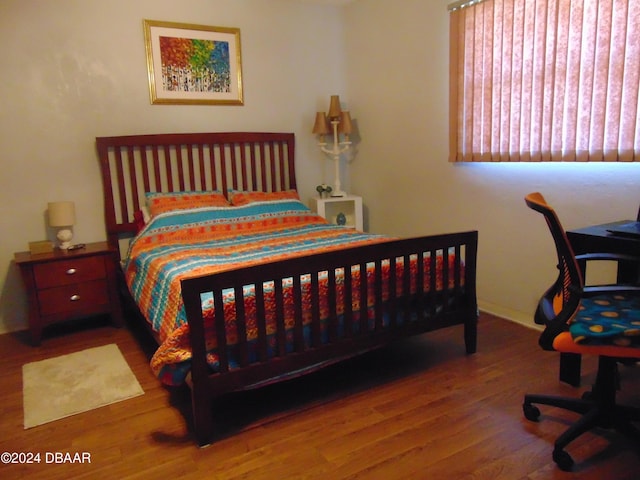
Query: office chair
x: 588, y: 320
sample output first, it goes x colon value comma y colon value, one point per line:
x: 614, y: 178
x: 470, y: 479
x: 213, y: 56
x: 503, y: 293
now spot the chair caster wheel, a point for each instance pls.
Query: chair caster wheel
x: 531, y: 412
x: 563, y: 460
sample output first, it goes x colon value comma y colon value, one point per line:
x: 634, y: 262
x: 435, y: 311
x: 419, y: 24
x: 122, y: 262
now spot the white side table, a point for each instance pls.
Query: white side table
x: 345, y: 210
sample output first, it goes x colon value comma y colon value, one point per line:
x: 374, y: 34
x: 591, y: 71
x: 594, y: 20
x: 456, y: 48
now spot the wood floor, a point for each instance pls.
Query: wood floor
x: 420, y: 409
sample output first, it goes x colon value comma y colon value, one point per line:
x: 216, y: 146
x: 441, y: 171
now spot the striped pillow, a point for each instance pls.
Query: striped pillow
x: 159, y: 202
x: 247, y: 197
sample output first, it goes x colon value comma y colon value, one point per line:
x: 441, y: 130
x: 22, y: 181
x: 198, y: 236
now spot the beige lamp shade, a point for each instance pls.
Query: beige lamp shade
x: 320, y: 127
x: 334, y: 107
x: 345, y: 123
x: 62, y: 214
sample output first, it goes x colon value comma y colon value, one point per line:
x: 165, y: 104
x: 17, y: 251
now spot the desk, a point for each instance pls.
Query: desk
x: 597, y: 239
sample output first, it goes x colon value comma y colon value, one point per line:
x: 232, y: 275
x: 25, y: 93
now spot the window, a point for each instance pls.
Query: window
x: 545, y: 80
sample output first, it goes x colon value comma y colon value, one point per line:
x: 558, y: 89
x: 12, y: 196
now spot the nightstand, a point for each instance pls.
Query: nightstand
x: 345, y: 210
x: 63, y: 285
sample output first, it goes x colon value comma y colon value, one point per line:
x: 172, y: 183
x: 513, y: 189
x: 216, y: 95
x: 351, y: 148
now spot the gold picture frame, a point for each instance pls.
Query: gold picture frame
x: 193, y: 64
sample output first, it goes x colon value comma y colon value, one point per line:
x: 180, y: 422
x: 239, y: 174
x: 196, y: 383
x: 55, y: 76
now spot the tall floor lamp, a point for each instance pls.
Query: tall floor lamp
x: 340, y: 122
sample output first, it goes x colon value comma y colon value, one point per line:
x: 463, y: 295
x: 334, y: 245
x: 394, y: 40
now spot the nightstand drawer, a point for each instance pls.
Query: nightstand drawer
x: 69, y: 298
x: 67, y: 272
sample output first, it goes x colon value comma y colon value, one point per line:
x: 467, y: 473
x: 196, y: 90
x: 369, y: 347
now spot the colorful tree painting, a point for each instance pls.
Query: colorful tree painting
x: 194, y: 65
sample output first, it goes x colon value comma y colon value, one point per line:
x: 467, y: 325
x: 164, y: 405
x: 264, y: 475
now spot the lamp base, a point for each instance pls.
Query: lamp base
x: 339, y: 193
x: 64, y: 236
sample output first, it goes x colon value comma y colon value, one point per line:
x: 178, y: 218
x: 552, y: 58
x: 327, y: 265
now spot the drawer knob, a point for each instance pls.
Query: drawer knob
x: 71, y: 271
x: 74, y: 298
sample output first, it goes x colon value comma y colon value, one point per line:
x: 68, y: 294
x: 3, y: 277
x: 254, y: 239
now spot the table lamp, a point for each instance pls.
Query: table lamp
x: 62, y: 215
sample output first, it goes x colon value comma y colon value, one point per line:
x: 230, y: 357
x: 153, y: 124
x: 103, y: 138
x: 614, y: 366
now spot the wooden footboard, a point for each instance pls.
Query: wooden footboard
x: 378, y: 311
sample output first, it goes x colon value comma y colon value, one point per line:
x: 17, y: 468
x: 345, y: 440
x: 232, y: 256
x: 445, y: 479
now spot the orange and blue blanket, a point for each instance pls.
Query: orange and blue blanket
x: 186, y: 243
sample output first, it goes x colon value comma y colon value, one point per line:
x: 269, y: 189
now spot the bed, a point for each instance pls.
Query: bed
x: 254, y: 288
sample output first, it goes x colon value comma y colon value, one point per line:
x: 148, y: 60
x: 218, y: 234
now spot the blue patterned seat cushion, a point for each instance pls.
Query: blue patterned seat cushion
x: 608, y: 320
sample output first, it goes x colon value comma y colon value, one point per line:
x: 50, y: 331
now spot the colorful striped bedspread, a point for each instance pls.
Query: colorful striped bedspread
x: 187, y: 243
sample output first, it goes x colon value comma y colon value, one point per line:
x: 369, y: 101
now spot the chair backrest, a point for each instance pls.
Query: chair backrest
x: 560, y: 302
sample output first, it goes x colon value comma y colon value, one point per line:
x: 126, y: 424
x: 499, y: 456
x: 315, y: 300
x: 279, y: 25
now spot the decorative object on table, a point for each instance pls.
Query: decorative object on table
x: 341, y: 219
x: 350, y: 206
x: 340, y: 122
x: 193, y: 64
x: 41, y: 246
x: 323, y: 190
x: 62, y: 215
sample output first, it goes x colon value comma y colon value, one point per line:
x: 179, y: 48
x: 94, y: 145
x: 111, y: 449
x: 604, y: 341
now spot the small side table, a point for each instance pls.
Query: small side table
x: 63, y: 285
x: 345, y: 210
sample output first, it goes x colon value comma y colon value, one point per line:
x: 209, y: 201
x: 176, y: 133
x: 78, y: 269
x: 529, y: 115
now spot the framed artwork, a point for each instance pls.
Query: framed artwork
x: 193, y: 64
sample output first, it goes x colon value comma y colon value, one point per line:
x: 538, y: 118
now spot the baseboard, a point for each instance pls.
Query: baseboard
x: 509, y: 314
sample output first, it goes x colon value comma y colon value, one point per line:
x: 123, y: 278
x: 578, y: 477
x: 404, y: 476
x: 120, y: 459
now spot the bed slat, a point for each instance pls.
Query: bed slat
x: 280, y: 334
x: 363, y: 297
x: 377, y: 288
x: 315, y: 309
x: 298, y: 329
x: 393, y: 292
x: 221, y: 333
x: 348, y: 306
x: 261, y: 323
x: 331, y: 299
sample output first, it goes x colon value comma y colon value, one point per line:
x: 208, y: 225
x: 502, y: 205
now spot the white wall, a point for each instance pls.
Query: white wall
x: 397, y: 64
x: 76, y: 69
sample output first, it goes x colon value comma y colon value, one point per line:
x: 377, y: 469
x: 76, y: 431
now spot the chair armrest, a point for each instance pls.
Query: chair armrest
x: 631, y: 263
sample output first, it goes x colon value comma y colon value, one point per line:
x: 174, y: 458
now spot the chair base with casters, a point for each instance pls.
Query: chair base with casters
x: 598, y: 408
x: 598, y: 320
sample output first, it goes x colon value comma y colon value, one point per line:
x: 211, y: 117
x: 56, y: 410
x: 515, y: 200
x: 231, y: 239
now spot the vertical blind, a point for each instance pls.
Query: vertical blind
x: 545, y: 80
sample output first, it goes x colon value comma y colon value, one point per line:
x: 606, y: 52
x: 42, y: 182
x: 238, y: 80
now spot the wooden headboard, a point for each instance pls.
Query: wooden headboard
x: 136, y: 164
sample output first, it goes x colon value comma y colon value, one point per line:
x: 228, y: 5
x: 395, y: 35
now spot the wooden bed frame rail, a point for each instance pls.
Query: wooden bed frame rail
x: 432, y: 308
